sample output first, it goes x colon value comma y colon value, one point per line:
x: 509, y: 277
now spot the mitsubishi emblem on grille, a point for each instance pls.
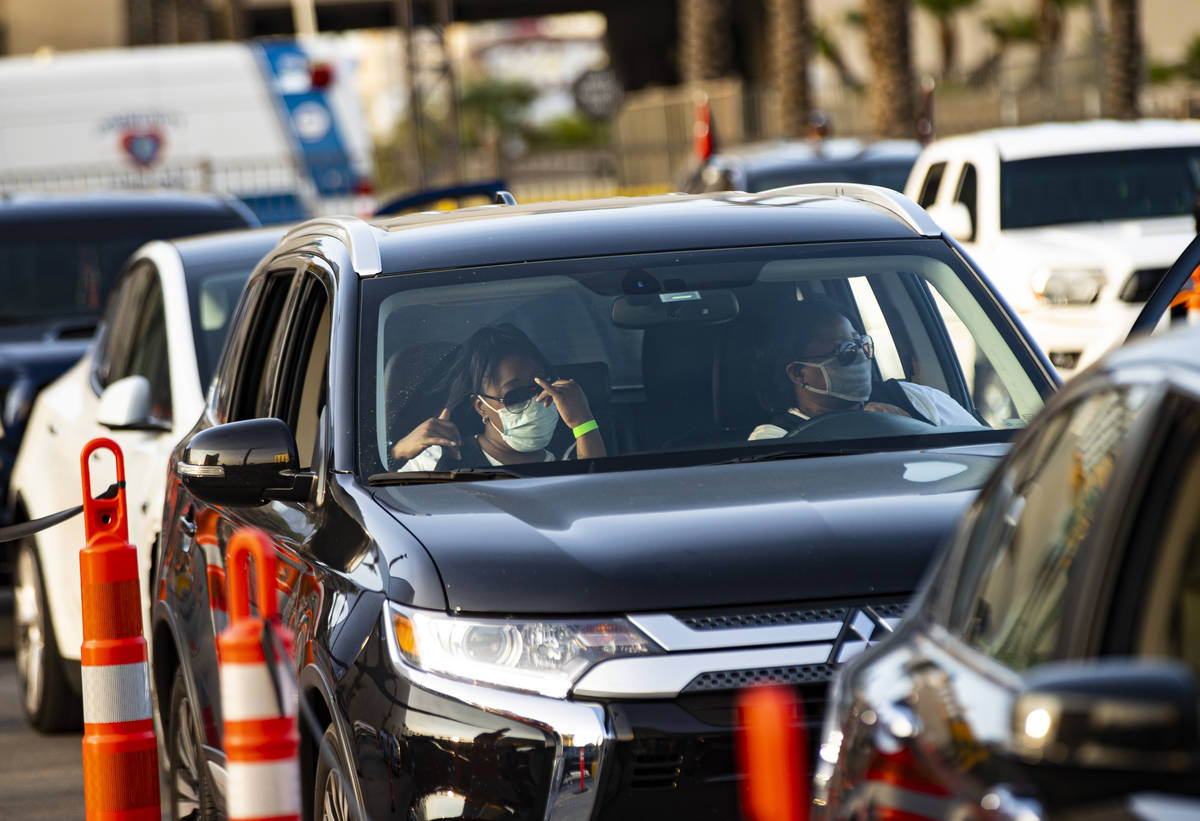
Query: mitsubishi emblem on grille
x: 863, y: 627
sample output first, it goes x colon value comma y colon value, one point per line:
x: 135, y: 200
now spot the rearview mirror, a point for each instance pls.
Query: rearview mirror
x: 954, y: 219
x: 649, y: 310
x: 125, y: 404
x: 1134, y: 720
x: 244, y: 463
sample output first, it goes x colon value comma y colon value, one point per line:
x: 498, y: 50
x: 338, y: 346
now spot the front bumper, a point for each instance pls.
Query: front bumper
x: 646, y: 744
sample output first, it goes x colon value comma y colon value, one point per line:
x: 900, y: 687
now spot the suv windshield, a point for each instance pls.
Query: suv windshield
x: 1109, y: 185
x: 723, y: 354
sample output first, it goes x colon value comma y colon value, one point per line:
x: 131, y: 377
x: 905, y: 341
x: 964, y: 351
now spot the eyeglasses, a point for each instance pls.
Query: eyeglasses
x: 846, y: 353
x: 517, y: 398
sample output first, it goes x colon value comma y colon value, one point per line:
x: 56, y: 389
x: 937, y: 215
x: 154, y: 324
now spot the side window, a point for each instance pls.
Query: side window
x: 302, y: 380
x: 1028, y: 533
x: 887, y: 357
x: 148, y: 354
x: 258, y: 331
x: 968, y: 185
x: 120, y: 317
x: 933, y: 181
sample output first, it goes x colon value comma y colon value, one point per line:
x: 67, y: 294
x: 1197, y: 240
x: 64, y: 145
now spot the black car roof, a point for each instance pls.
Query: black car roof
x: 496, y: 234
x: 213, y: 253
x: 104, y: 205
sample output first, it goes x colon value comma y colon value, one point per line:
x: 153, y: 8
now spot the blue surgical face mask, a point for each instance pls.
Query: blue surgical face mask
x: 529, y: 429
x: 850, y: 382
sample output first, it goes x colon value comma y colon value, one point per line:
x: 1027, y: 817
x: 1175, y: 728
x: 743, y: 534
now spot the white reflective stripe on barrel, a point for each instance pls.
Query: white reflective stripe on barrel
x: 247, y: 692
x: 263, y: 790
x: 115, y: 692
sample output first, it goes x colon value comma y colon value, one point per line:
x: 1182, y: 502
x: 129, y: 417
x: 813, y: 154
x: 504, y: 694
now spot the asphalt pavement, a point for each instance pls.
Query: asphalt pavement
x: 41, y: 776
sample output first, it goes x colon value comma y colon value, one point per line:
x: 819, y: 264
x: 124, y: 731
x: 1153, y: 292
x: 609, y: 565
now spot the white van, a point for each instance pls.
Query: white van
x: 276, y: 122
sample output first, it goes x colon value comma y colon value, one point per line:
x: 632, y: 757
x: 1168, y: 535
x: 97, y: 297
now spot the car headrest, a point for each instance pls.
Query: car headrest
x: 409, y: 376
x: 592, y: 377
x: 677, y: 363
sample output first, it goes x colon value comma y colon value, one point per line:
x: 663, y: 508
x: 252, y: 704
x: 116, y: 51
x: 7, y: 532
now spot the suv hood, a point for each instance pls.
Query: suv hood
x: 824, y: 527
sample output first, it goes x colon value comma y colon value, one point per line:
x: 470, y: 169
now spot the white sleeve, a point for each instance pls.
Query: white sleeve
x: 936, y: 406
x: 425, y: 460
x: 768, y: 432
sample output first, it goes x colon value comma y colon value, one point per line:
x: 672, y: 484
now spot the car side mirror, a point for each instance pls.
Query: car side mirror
x: 125, y: 404
x: 954, y: 219
x: 245, y: 463
x: 1128, y: 715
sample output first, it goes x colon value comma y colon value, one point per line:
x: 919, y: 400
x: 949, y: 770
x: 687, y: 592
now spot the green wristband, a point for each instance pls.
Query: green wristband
x: 587, y: 427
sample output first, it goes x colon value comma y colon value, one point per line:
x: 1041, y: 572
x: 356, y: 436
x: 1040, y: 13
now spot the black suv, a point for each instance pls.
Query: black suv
x: 1049, y: 666
x: 664, y: 447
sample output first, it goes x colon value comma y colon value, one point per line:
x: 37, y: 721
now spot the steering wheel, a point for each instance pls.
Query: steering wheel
x: 854, y: 423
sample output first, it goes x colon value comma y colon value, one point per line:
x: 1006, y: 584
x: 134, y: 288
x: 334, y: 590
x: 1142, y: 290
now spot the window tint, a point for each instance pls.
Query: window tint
x: 114, y: 331
x: 966, y: 194
x: 1110, y: 185
x: 148, y: 354
x: 933, y: 181
x: 252, y: 389
x: 302, y: 378
x: 1029, y: 531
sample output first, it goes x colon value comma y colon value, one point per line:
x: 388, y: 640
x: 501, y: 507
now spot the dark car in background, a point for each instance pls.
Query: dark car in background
x: 553, y: 638
x: 761, y: 166
x: 61, y: 254
x: 1049, y: 666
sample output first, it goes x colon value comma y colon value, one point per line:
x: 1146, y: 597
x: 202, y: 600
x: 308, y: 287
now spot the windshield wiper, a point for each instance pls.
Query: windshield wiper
x: 787, y: 453
x: 419, y: 477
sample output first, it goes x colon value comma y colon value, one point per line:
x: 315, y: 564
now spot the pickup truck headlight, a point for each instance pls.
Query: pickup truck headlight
x: 540, y: 656
x: 1069, y: 286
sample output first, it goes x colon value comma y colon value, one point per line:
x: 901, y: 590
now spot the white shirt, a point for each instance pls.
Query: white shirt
x: 936, y: 406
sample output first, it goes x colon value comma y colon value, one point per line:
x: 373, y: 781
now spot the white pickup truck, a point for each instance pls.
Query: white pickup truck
x: 1075, y: 223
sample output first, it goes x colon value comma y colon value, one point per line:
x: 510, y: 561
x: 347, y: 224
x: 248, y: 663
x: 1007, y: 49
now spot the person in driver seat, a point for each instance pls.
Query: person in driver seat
x: 508, y: 383
x: 826, y: 366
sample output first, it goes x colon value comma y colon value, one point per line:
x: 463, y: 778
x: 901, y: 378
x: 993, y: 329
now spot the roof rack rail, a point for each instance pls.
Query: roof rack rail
x: 895, y: 203
x: 504, y: 197
x: 356, y: 234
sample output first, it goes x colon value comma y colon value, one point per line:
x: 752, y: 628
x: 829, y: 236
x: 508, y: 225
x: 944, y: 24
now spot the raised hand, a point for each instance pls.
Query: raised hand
x: 439, y: 431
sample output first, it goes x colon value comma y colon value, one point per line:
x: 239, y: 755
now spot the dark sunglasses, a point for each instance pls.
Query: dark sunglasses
x: 518, y: 397
x: 846, y: 353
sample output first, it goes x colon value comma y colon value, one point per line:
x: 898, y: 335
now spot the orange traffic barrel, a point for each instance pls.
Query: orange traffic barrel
x: 120, y: 752
x: 258, y: 695
x: 773, y: 755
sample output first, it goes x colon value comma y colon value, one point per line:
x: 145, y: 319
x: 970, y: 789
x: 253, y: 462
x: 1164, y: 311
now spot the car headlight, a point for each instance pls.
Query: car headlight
x: 1069, y: 286
x: 540, y: 656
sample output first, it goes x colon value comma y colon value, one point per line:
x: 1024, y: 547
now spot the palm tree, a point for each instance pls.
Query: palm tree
x: 704, y: 39
x: 945, y: 12
x: 789, y: 38
x: 1006, y: 30
x: 891, y: 92
x: 1049, y: 39
x: 1124, y: 71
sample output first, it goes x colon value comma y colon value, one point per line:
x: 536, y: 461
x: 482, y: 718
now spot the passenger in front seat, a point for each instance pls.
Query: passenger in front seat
x: 509, y: 385
x: 826, y: 366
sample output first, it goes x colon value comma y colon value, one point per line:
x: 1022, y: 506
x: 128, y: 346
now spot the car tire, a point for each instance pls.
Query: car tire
x: 330, y: 800
x: 189, y: 794
x: 50, y: 703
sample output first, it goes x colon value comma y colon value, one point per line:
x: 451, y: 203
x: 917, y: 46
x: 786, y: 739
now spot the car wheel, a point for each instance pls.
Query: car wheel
x: 330, y: 800
x: 50, y: 704
x: 190, y: 798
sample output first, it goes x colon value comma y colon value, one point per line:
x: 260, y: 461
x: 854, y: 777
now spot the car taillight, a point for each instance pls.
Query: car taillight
x: 320, y: 75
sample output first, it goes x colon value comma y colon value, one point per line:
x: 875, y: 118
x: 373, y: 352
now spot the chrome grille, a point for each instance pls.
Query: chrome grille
x: 736, y: 679
x: 771, y: 618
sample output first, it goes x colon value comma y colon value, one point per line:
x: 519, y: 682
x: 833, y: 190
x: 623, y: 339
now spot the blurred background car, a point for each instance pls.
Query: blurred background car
x: 761, y: 166
x: 142, y: 385
x: 1050, y: 661
x: 1076, y: 223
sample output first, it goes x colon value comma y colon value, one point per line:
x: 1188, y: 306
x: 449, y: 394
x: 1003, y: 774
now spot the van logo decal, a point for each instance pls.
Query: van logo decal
x: 143, y: 145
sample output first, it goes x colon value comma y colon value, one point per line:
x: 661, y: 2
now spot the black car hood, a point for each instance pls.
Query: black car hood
x: 824, y: 527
